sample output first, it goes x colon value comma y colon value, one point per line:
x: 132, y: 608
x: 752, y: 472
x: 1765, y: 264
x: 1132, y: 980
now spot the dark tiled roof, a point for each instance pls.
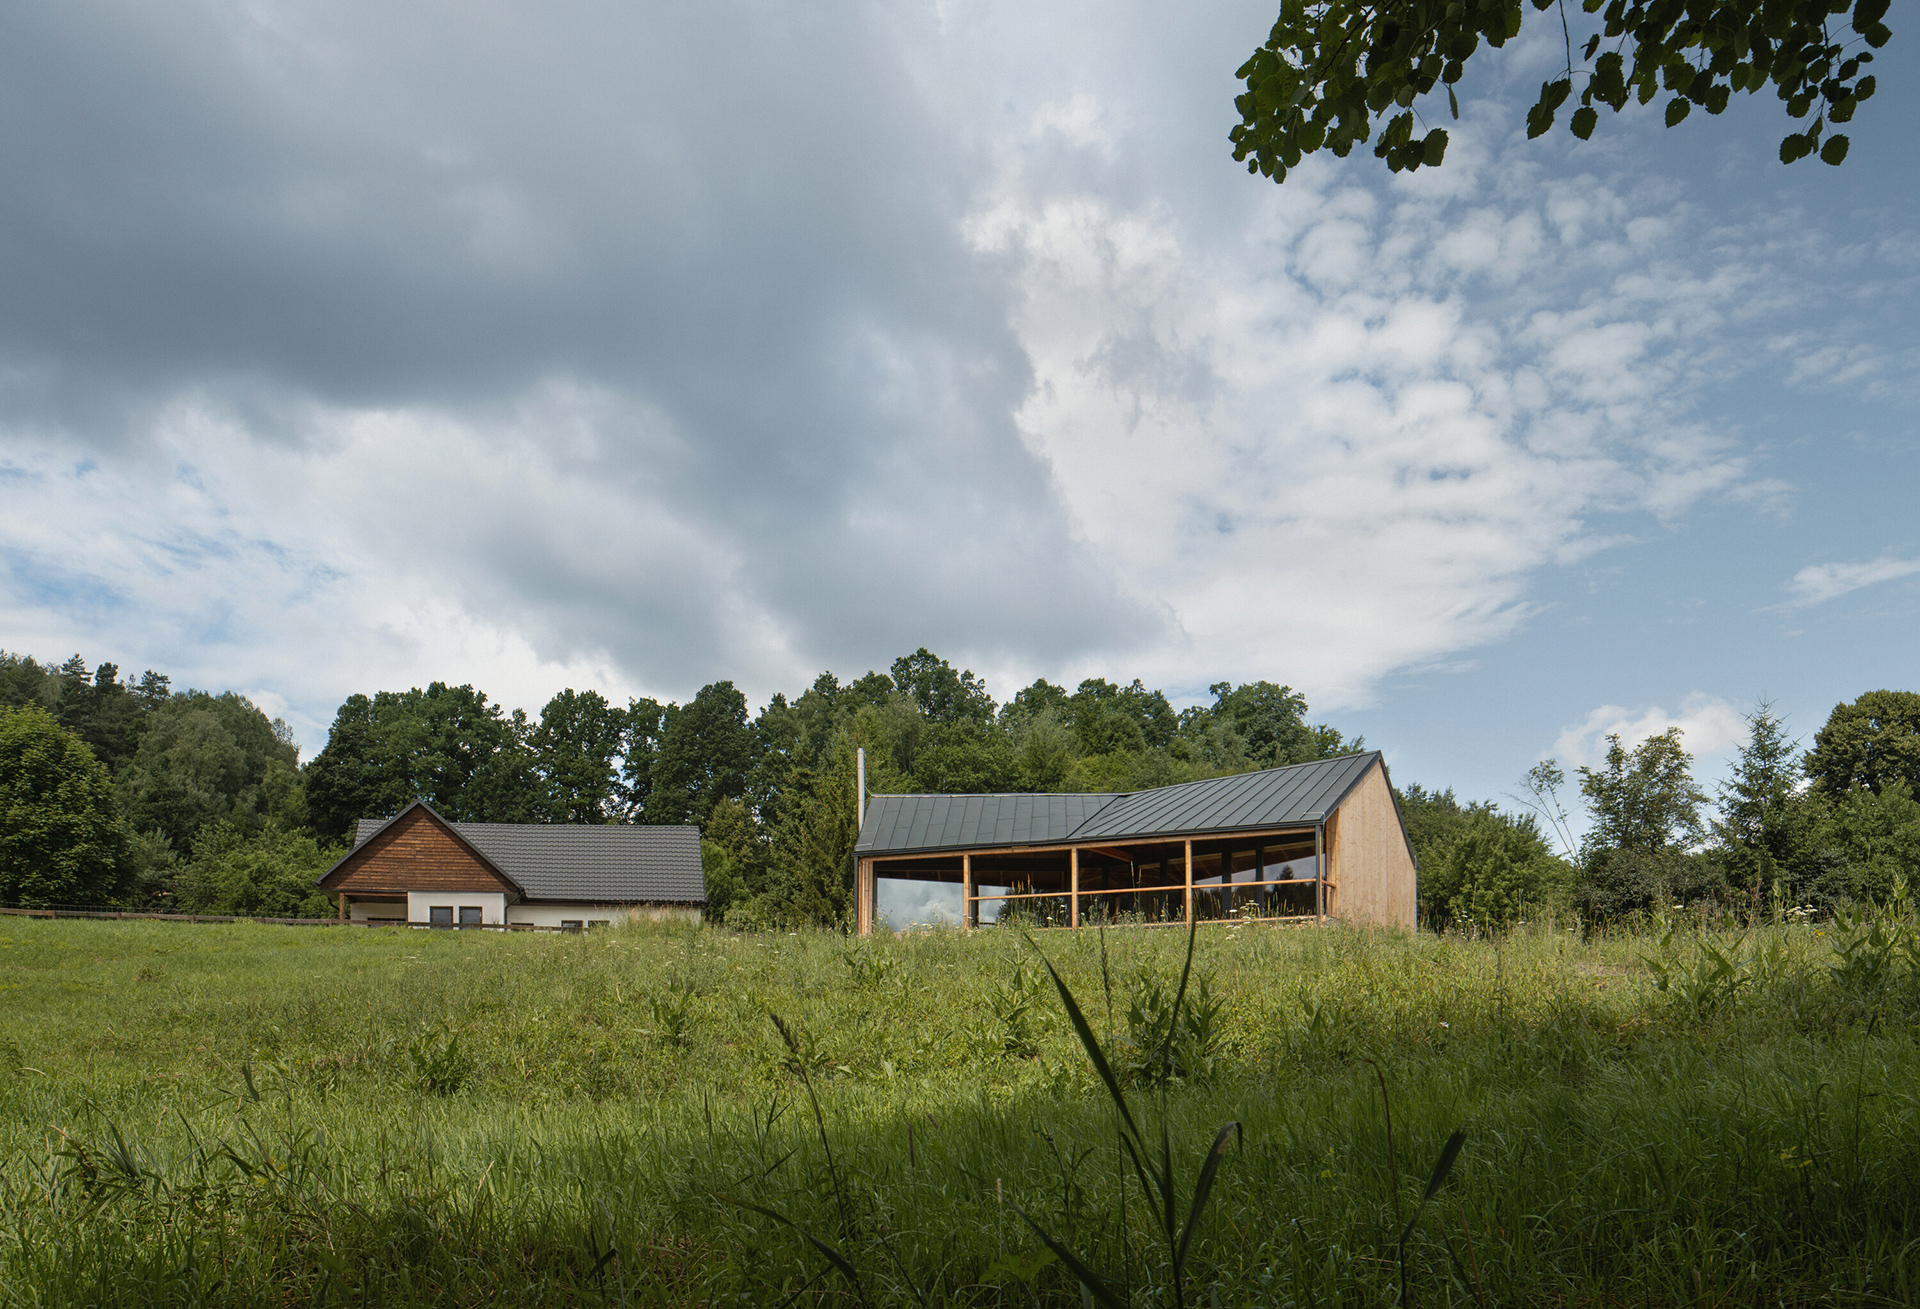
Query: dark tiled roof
x: 934, y: 822
x: 1275, y: 797
x: 609, y: 863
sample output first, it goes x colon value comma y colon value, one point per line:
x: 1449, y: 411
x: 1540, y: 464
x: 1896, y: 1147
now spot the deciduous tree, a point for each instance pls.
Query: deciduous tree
x: 62, y: 840
x: 1870, y: 742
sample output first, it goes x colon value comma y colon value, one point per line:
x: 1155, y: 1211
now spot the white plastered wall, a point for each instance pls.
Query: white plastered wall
x: 492, y: 905
x: 552, y: 913
x: 361, y: 910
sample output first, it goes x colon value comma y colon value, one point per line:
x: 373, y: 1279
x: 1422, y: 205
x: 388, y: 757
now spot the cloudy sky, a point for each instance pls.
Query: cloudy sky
x: 346, y: 347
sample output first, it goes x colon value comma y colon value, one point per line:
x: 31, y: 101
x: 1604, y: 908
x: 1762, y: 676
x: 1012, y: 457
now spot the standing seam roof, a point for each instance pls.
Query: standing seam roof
x: 1273, y: 797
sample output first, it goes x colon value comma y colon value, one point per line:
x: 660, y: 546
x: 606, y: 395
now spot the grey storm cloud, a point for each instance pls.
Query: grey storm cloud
x: 737, y: 225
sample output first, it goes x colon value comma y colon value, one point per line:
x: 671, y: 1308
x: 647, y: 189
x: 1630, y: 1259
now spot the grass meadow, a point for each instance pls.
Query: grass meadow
x: 316, y: 1116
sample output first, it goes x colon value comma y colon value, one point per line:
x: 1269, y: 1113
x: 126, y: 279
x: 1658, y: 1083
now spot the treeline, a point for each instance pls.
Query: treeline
x: 133, y: 794
x: 1789, y: 832
x: 198, y: 802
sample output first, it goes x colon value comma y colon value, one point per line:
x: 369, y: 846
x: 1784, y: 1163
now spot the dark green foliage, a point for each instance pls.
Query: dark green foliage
x: 1168, y: 1044
x: 1492, y: 870
x: 706, y: 751
x: 270, y: 874
x: 207, y: 758
x: 810, y: 864
x: 1768, y: 833
x: 1614, y: 881
x: 447, y: 745
x: 967, y: 756
x: 1877, y: 841
x: 1644, y: 799
x: 62, y: 840
x: 575, y: 746
x: 943, y: 694
x: 1640, y: 850
x: 1334, y: 71
x: 1268, y: 722
x: 1870, y: 742
x: 24, y: 680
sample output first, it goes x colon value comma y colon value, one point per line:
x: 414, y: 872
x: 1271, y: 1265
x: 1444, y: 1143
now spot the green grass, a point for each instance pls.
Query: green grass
x: 247, y: 1114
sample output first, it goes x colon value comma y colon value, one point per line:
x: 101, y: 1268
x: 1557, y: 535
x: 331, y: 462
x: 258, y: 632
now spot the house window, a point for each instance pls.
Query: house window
x: 441, y: 915
x: 599, y: 922
x: 570, y: 924
x: 470, y: 915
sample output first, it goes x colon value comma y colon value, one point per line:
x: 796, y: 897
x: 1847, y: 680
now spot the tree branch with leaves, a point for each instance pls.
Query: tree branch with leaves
x: 1332, y: 72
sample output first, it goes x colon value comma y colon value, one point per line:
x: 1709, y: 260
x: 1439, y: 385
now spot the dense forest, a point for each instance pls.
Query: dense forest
x: 133, y: 794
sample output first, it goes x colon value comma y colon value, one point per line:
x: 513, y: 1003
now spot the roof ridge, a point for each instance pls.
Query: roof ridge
x: 992, y: 795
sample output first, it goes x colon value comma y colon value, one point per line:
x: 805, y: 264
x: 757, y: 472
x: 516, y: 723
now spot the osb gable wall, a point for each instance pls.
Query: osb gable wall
x: 415, y: 854
x: 1372, y: 868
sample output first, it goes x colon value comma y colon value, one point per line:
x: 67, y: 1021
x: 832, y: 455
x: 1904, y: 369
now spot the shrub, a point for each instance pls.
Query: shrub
x: 1489, y: 874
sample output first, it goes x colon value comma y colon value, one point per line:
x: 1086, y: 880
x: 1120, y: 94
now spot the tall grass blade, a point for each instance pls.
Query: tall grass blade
x: 834, y: 1257
x: 1090, y: 1043
x: 1203, y: 1187
x: 1091, y: 1283
x: 1448, y: 1153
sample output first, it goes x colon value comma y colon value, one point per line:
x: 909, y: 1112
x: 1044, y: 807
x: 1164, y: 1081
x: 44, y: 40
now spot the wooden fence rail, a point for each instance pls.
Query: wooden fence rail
x: 275, y: 922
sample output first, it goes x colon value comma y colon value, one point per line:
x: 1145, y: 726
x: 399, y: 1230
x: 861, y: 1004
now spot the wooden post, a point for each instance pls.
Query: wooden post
x: 343, y: 906
x: 1073, y: 888
x: 864, y: 899
x: 1260, y: 875
x: 1189, y: 895
x: 1320, y: 874
x: 969, y: 910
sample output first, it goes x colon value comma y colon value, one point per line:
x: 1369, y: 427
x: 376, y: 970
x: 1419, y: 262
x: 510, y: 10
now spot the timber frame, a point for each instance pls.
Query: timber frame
x: 1332, y: 846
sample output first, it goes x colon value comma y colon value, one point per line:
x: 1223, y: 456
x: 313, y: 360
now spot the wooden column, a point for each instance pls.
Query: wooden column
x: 864, y: 900
x: 1073, y: 887
x: 343, y: 906
x: 969, y: 911
x: 1320, y: 874
x: 1189, y: 896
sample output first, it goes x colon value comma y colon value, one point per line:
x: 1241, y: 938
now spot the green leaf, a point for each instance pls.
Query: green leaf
x: 1453, y: 103
x: 1584, y: 121
x: 1834, y: 151
x: 1434, y: 149
x: 1677, y: 110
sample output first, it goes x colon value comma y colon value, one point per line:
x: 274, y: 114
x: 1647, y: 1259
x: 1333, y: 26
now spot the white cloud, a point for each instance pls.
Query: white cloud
x: 1709, y: 726
x: 967, y: 336
x: 1818, y: 583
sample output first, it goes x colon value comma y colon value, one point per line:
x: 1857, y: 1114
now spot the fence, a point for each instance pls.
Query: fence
x: 277, y: 922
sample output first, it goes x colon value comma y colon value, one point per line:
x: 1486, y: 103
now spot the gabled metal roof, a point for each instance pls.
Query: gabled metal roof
x: 955, y: 822
x: 1273, y: 797
x: 605, y: 863
x: 1295, y: 796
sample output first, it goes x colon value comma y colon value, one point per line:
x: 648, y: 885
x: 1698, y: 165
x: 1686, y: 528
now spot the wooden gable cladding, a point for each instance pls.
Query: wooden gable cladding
x: 1371, y: 870
x: 416, y: 852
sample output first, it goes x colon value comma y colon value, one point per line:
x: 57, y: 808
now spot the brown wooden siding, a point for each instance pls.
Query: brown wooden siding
x: 415, y: 854
x: 1370, y: 864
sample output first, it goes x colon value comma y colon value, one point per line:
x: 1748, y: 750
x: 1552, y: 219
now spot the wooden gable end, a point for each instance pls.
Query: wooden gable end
x: 1371, y: 867
x: 415, y: 853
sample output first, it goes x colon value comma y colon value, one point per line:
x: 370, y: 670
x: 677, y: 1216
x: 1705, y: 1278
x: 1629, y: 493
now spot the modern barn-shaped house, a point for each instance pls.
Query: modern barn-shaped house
x: 1304, y: 843
x: 419, y: 868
